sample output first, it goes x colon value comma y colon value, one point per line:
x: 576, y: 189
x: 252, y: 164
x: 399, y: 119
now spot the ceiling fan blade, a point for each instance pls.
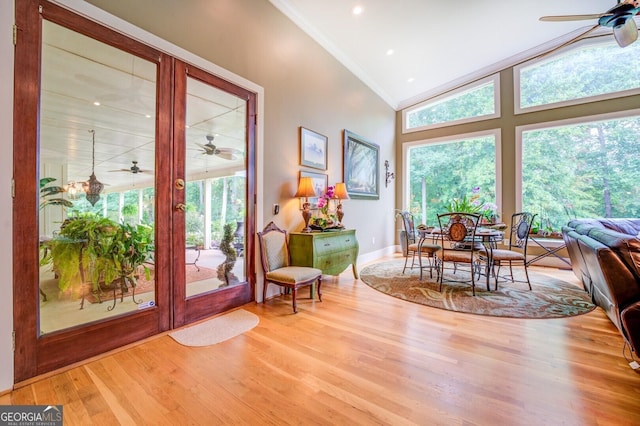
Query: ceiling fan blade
x: 626, y: 33
x: 573, y: 17
x: 227, y: 155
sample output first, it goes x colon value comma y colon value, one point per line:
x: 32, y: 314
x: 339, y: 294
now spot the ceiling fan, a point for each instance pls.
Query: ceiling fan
x: 620, y: 18
x: 133, y: 169
x: 210, y: 149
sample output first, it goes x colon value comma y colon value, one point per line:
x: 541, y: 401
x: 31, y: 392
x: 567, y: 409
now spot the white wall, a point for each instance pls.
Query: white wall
x: 6, y: 172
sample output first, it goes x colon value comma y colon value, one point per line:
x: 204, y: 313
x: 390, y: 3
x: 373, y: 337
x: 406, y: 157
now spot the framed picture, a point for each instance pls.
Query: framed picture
x: 361, y: 167
x: 320, y: 184
x: 313, y: 149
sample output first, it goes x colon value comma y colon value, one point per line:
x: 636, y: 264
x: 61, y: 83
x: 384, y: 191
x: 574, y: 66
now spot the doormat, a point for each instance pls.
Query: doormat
x: 216, y: 330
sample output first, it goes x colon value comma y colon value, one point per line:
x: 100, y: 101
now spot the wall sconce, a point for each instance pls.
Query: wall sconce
x: 305, y: 190
x: 388, y: 176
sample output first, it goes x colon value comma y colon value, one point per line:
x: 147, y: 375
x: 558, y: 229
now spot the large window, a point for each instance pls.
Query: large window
x: 590, y: 71
x: 477, y: 101
x: 441, y: 172
x: 581, y: 169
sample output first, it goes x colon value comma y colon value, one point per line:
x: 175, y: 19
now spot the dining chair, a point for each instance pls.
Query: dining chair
x: 459, y: 244
x: 413, y: 246
x: 274, y: 253
x: 516, y: 252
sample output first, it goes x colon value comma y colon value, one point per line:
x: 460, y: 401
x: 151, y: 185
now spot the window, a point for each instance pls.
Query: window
x: 440, y: 171
x: 477, y: 101
x: 581, y: 169
x: 588, y: 72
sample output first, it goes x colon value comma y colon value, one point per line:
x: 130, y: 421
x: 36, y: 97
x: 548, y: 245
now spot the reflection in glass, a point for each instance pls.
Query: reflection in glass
x: 215, y: 189
x: 86, y: 250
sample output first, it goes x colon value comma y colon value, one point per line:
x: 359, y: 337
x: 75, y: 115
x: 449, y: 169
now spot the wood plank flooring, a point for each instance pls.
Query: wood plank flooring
x: 360, y: 357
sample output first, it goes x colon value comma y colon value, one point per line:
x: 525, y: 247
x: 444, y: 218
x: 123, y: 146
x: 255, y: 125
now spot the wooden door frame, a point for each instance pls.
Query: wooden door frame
x: 35, y: 354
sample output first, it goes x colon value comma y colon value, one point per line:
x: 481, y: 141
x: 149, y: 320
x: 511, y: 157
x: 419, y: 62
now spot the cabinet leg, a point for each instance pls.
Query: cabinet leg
x: 355, y: 271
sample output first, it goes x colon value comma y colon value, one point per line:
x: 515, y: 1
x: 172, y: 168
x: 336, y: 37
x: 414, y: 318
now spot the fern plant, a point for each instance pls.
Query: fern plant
x: 93, y: 249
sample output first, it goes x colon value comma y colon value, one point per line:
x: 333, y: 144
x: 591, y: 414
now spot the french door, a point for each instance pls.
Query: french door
x: 118, y: 225
x: 214, y: 129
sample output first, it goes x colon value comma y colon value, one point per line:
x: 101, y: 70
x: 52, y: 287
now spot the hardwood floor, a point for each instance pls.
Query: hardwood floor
x: 360, y: 357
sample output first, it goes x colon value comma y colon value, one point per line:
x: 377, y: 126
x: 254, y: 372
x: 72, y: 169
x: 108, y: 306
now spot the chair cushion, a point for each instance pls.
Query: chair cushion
x: 456, y: 256
x: 293, y: 274
x: 507, y: 255
x: 426, y: 248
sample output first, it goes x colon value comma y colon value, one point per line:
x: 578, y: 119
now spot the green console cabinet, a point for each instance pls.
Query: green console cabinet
x: 331, y: 252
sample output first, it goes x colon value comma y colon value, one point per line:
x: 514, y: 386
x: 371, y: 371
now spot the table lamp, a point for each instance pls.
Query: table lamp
x: 305, y: 190
x: 340, y: 193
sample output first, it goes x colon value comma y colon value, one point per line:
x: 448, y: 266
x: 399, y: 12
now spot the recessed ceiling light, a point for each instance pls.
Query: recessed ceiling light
x: 147, y: 116
x: 96, y: 103
x: 390, y: 52
x: 357, y: 10
x: 411, y: 80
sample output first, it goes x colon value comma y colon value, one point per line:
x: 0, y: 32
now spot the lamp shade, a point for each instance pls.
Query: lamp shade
x: 340, y: 191
x: 305, y: 188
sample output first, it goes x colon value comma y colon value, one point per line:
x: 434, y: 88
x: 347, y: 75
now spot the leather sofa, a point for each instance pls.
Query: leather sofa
x: 605, y: 256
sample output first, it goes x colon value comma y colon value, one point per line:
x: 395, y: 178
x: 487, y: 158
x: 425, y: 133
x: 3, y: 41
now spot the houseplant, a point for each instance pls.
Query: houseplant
x: 95, y: 250
x: 225, y: 269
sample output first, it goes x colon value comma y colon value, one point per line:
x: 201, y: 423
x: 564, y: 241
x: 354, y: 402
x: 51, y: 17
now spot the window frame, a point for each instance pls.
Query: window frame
x: 518, y: 109
x: 495, y: 78
x: 582, y: 120
x: 406, y: 148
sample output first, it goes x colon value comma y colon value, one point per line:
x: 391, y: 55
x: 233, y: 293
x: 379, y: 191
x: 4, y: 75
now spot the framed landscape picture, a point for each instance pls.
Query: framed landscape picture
x: 313, y: 149
x: 320, y: 183
x: 361, y: 167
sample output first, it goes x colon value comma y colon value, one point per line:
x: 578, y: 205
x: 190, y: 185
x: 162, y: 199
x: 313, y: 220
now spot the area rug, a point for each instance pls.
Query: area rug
x: 549, y: 298
x: 143, y: 285
x: 216, y: 330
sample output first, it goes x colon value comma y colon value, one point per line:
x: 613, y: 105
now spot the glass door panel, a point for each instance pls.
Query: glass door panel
x: 96, y: 176
x: 215, y: 189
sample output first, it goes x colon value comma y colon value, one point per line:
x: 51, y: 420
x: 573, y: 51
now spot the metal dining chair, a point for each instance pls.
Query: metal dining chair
x: 459, y: 244
x: 413, y: 246
x: 516, y: 252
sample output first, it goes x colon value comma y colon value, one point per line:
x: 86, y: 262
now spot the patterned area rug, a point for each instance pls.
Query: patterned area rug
x: 550, y: 297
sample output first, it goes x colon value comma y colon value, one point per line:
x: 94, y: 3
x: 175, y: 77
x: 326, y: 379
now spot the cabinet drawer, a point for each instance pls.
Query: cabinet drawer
x: 334, y: 244
x: 333, y: 264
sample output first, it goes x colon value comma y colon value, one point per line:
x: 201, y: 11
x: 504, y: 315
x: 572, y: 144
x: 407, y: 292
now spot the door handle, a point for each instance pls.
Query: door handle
x: 181, y: 207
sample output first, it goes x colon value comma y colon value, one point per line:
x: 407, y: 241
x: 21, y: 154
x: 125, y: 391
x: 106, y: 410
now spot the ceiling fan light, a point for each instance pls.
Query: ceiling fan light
x: 626, y: 33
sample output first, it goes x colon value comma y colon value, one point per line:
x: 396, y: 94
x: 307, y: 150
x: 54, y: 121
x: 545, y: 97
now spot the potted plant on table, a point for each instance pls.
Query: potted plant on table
x: 96, y: 251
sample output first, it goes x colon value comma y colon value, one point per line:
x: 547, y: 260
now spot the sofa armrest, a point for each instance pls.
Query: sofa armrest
x: 630, y: 317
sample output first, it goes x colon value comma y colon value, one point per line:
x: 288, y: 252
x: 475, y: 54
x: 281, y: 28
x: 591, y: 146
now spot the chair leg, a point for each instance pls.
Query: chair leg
x: 264, y: 291
x: 473, y: 278
x: 526, y: 274
x: 405, y: 262
x: 319, y: 285
x: 294, y: 293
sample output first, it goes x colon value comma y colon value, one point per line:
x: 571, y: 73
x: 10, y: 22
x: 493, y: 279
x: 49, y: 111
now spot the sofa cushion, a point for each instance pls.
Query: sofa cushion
x: 625, y: 226
x: 624, y: 245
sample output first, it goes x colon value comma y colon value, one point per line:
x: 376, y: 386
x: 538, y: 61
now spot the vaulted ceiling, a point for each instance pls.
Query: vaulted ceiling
x: 409, y: 50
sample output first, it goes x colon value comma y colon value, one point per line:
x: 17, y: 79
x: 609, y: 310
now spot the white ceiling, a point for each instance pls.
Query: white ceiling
x: 79, y: 72
x: 437, y: 43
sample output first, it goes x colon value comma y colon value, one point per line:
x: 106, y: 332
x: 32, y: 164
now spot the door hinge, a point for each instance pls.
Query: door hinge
x: 13, y: 340
x: 13, y: 188
x: 15, y: 35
